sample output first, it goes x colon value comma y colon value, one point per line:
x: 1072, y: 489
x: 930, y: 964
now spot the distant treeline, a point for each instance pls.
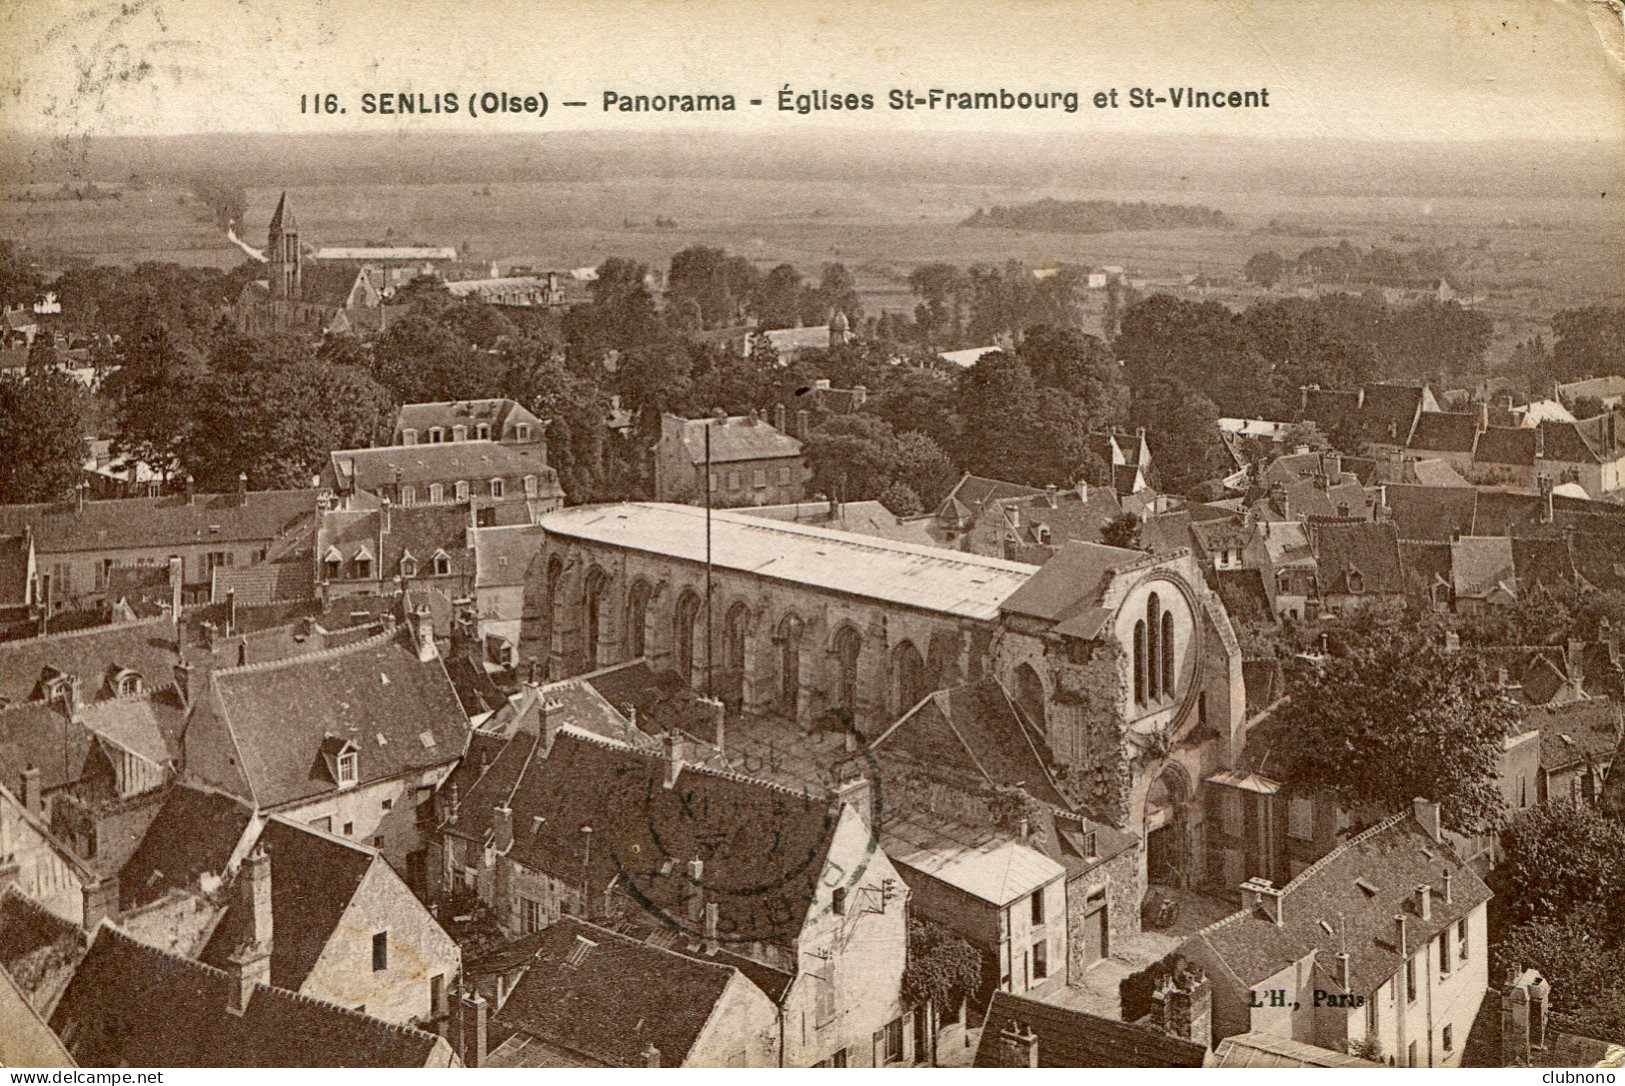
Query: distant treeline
x: 226, y: 200
x: 1346, y: 263
x: 1097, y: 216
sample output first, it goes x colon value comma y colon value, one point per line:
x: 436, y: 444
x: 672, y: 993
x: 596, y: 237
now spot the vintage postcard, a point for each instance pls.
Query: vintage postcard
x: 932, y: 534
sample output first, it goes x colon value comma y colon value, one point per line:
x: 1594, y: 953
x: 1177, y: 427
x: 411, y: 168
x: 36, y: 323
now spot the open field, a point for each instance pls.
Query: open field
x: 1527, y: 253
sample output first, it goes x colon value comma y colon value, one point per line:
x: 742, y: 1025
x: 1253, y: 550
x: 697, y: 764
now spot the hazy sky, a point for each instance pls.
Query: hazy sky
x: 1396, y: 69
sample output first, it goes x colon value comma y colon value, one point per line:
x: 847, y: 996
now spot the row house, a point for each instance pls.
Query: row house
x: 508, y: 483
x: 499, y: 420
x: 77, y: 544
x: 1589, y: 452
x: 788, y: 885
x: 750, y: 462
x: 351, y: 740
x: 379, y: 551
x: 1380, y: 946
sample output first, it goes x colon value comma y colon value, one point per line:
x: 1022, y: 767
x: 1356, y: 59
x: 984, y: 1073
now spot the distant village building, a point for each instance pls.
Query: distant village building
x: 499, y: 420
x: 752, y: 462
x: 503, y: 481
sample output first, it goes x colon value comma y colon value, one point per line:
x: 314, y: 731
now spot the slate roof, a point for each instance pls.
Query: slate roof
x: 1593, y: 387
x: 1069, y: 583
x: 763, y: 846
x: 1568, y: 442
x: 621, y: 997
x: 1542, y: 562
x: 994, y: 869
x: 928, y: 578
x: 737, y: 438
x: 1480, y: 565
x: 1436, y: 473
x: 1576, y: 733
x: 266, y: 583
x: 659, y: 700
x: 973, y: 492
x: 501, y: 414
x: 1439, y: 431
x: 13, y: 570
x: 314, y: 877
x: 1372, y: 550
x: 37, y: 948
x: 976, y: 730
x: 401, y: 713
x: 446, y: 463
x: 1069, y: 1038
x: 476, y: 692
x: 195, y: 833
x: 1509, y: 445
x: 149, y: 725
x: 1392, y: 858
x: 502, y: 556
x: 27, y: 1041
x: 160, y: 522
x: 131, y: 1005
x: 41, y: 736
x: 92, y: 655
x: 1259, y: 1049
x: 1328, y: 408
x: 1390, y: 411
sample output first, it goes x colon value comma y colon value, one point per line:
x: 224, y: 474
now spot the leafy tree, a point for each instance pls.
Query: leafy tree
x: 1182, y: 431
x: 901, y: 500
x: 1265, y: 269
x: 1582, y: 963
x: 1561, y: 858
x: 1390, y: 716
x: 150, y: 392
x: 420, y: 359
x: 943, y: 970
x: 1588, y: 342
x: 851, y: 457
x: 1078, y: 364
x: 838, y: 293
x: 42, y: 443
x: 919, y: 400
x: 20, y: 282
x: 781, y: 298
x: 923, y: 469
x: 1121, y: 531
x: 706, y: 286
x: 940, y: 288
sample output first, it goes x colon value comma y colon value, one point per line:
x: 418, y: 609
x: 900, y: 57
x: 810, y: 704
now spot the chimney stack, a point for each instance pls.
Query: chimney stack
x: 251, y: 963
x: 651, y: 1056
x: 33, y: 800
x: 472, y: 1011
x: 502, y: 830
x: 1514, y: 1021
x: 1260, y: 893
x: 675, y: 750
x: 719, y: 720
x: 383, y: 516
x: 859, y: 794
x: 423, y: 632
x: 1427, y: 813
x: 1018, y: 1046
x: 100, y: 901
x: 183, y: 683
x: 778, y: 417
x: 1424, y: 901
x: 242, y: 488
x: 1540, y: 1001
x: 1345, y: 971
x: 712, y: 945
x: 1447, y: 886
x: 176, y: 576
x: 1187, y: 1006
x: 231, y: 612
x: 1051, y: 495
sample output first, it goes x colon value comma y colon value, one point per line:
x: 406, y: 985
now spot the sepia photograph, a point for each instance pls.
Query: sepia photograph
x: 934, y: 534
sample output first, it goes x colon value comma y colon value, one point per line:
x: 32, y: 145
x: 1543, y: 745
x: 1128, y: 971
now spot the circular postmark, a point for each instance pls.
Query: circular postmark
x: 733, y: 860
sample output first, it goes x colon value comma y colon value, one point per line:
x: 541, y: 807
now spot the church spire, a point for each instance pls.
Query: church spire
x: 282, y: 220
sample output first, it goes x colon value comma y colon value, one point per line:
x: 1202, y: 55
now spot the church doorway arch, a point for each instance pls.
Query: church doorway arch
x: 1167, y: 827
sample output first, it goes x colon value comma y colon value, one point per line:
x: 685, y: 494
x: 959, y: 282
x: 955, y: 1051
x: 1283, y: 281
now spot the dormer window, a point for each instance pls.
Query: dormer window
x: 343, y: 760
x: 436, y: 435
x: 409, y: 566
x: 348, y: 768
x: 442, y: 564
x: 530, y: 486
x: 521, y: 431
x: 409, y: 495
x: 462, y: 490
x: 1356, y: 582
x: 483, y: 431
x: 496, y: 488
x: 409, y: 437
x: 459, y: 433
x: 437, y: 493
x: 332, y: 563
x: 126, y: 683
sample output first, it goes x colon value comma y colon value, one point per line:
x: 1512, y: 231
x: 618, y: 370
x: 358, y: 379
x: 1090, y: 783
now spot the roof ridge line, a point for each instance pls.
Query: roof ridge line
x: 655, y: 946
x: 320, y: 654
x: 104, y: 628
x: 695, y: 767
x: 1370, y: 831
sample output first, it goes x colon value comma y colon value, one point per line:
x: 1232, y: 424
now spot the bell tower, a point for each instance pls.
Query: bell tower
x: 282, y: 251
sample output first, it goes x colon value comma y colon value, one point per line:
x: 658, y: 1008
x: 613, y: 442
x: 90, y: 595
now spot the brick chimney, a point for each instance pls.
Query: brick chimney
x: 250, y: 964
x: 859, y: 794
x: 242, y: 488
x: 1018, y: 1046
x: 100, y: 901
x: 33, y: 799
x: 183, y: 683
x: 1424, y: 901
x: 1427, y: 813
x: 674, y: 748
x: 502, y: 829
x: 423, y: 633
x: 1187, y: 1006
x: 1259, y: 893
x: 472, y: 1022
x: 778, y: 416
